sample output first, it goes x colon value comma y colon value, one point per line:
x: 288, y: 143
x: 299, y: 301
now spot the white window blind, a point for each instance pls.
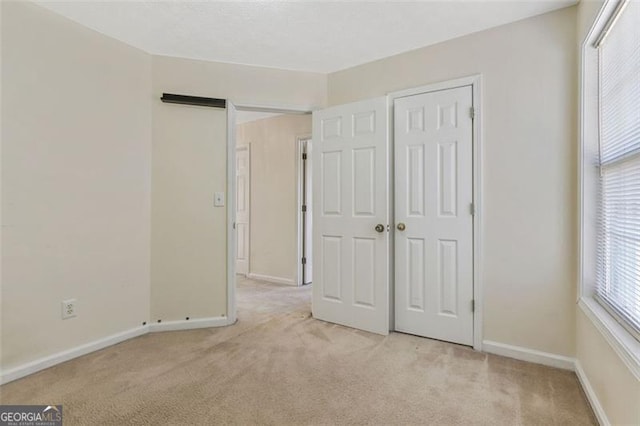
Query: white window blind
x: 618, y: 278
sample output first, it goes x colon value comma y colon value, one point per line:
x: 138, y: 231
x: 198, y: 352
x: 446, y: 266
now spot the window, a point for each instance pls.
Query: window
x: 618, y: 240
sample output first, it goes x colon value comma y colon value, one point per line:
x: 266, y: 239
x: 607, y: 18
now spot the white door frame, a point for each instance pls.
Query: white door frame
x: 231, y: 188
x: 300, y: 189
x: 231, y: 213
x: 475, y: 81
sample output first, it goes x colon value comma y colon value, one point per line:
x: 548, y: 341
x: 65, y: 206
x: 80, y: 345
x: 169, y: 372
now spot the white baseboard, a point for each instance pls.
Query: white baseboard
x: 60, y: 357
x: 552, y: 360
x: 270, y: 279
x: 591, y: 395
x: 530, y: 355
x: 189, y: 324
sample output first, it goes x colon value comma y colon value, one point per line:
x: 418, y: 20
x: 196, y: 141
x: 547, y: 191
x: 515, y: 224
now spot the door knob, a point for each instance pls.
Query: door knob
x: 379, y: 227
x: 401, y: 226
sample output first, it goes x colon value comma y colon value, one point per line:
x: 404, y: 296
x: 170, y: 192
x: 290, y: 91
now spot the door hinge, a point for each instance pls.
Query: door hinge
x: 304, y: 260
x: 304, y: 208
x: 472, y: 209
x: 472, y: 113
x: 473, y: 305
x: 304, y: 155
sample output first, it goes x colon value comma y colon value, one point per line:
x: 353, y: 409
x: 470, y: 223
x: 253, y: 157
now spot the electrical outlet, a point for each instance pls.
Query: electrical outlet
x: 69, y: 308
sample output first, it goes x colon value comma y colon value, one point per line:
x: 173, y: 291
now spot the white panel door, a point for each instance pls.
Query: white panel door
x: 243, y: 200
x: 350, y: 199
x: 433, y: 217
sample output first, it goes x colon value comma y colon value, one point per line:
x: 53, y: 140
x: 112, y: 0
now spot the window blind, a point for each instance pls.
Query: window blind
x: 618, y: 277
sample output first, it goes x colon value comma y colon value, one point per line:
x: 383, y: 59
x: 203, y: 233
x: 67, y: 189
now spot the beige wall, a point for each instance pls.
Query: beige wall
x: 76, y: 145
x: 1, y: 222
x: 274, y: 186
x: 188, y: 234
x: 615, y: 386
x: 529, y: 168
x: 188, y: 248
x: 77, y: 181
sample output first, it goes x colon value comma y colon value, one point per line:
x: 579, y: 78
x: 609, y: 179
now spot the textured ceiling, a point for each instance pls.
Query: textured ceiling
x: 299, y: 35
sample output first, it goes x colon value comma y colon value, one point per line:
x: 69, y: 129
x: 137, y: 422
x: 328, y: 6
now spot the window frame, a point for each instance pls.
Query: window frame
x: 621, y: 337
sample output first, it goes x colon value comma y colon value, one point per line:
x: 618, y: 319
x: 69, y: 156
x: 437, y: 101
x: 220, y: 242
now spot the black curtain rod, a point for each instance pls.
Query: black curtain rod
x: 171, y: 98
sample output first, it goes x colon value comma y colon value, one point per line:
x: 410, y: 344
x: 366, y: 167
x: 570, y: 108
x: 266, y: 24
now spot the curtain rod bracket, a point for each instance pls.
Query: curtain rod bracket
x: 171, y: 98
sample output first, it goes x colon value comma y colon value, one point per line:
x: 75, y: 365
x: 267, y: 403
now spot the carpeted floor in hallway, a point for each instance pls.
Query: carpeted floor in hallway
x: 278, y: 365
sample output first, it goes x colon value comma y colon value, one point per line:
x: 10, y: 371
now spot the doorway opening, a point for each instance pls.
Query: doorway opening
x: 272, y: 257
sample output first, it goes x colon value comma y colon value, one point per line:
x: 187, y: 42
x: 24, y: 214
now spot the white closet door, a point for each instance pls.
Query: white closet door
x: 351, y: 198
x: 434, y: 222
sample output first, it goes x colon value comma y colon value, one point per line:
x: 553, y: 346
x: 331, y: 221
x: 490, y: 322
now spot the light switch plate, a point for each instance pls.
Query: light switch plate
x: 218, y: 199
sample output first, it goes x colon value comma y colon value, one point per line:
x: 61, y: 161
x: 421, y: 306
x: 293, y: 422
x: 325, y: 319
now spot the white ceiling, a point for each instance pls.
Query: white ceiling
x: 305, y: 35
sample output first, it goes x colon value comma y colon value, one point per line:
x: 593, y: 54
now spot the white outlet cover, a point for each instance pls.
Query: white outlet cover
x: 218, y: 199
x: 69, y: 307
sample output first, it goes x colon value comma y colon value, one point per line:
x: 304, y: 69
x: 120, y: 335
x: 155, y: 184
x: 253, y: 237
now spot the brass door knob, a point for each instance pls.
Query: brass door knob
x: 379, y: 227
x: 401, y: 226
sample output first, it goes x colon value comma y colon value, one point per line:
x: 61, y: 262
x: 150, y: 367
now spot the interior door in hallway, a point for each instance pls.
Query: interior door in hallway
x: 350, y: 210
x: 243, y: 182
x: 433, y: 215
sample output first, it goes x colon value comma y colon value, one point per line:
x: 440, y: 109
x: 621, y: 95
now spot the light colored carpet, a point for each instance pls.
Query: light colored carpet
x: 279, y: 366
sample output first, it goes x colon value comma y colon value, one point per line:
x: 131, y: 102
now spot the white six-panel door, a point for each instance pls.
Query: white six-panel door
x: 243, y: 200
x: 433, y: 217
x: 351, y: 198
